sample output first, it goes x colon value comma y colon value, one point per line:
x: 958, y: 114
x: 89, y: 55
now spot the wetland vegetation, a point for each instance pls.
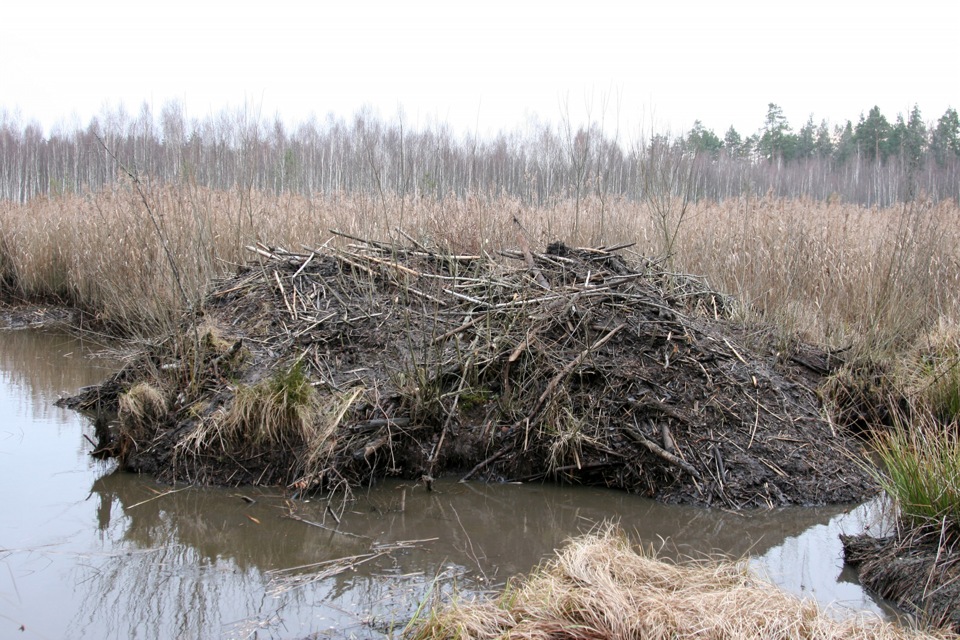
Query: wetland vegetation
x: 826, y: 274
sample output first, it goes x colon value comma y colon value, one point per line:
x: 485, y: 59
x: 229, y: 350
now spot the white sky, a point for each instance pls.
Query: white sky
x: 487, y: 65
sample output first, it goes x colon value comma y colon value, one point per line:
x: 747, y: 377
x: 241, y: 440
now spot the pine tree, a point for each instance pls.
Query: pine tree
x: 777, y: 141
x: 915, y: 138
x: 703, y: 140
x: 733, y: 143
x: 824, y: 143
x: 945, y: 141
x: 807, y: 140
x: 846, y: 147
x: 871, y: 135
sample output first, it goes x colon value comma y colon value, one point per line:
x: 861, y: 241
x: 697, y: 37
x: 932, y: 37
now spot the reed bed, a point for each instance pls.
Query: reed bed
x: 600, y: 587
x: 133, y: 257
x: 882, y: 284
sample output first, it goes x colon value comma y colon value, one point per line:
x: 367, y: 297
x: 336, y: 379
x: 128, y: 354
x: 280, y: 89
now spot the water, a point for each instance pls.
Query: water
x: 88, y: 553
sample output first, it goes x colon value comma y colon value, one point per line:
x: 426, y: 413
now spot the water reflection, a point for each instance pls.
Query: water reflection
x: 94, y: 554
x: 36, y: 367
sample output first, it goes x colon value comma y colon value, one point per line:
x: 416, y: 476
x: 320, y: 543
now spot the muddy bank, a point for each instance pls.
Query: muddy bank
x: 918, y: 570
x: 14, y: 315
x: 330, y: 368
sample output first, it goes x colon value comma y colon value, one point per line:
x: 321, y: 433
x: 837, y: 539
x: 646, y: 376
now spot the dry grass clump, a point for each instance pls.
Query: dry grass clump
x: 601, y: 588
x: 282, y: 417
x: 278, y: 411
x: 932, y: 372
x: 140, y: 410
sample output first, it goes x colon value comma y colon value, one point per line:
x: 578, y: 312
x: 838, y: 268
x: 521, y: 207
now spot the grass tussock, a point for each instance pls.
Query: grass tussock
x: 278, y: 411
x: 140, y: 409
x: 599, y: 587
x: 932, y: 372
x: 281, y: 417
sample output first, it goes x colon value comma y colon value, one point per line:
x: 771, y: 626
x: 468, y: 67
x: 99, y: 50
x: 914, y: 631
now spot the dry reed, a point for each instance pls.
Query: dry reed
x: 838, y: 273
x: 600, y: 588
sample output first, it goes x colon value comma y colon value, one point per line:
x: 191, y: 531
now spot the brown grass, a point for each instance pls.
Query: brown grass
x: 837, y: 273
x: 600, y: 588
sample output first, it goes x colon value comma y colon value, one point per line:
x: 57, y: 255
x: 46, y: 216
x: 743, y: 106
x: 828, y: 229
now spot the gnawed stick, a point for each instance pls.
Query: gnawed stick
x: 668, y: 442
x: 528, y: 256
x: 660, y: 451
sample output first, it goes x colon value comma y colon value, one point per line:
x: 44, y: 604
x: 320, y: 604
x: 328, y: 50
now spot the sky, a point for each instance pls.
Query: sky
x: 482, y: 67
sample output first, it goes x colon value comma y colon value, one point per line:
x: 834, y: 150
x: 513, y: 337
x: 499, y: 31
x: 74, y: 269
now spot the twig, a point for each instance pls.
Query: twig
x: 528, y: 257
x: 164, y: 494
x: 466, y: 325
x: 735, y: 352
x: 293, y: 516
x: 303, y: 266
x: 283, y: 294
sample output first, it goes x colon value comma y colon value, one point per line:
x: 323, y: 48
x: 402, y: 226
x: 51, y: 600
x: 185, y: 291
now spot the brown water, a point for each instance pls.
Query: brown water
x: 87, y: 553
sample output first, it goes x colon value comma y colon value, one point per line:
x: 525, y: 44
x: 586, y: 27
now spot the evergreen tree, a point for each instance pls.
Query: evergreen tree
x: 915, y: 138
x: 871, y: 135
x: 945, y: 141
x: 807, y: 140
x: 898, y: 136
x: 733, y: 143
x: 846, y: 147
x: 703, y: 140
x: 777, y: 141
x: 824, y: 143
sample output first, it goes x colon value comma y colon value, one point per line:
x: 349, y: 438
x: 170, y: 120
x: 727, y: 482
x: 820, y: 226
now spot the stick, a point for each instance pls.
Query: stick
x: 303, y: 266
x: 658, y: 450
x: 481, y: 465
x: 466, y: 325
x: 668, y: 442
x: 322, y: 526
x: 283, y: 294
x: 528, y: 257
x: 372, y: 243
x: 165, y: 493
x: 573, y: 364
x: 414, y: 242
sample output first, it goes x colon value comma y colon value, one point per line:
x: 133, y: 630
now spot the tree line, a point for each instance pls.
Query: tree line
x: 872, y: 162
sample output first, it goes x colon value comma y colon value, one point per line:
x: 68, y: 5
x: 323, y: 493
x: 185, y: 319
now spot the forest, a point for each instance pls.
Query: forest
x: 872, y: 162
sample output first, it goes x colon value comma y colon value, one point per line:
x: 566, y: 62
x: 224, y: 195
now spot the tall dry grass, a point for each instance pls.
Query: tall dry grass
x: 600, y: 588
x: 837, y: 273
x: 874, y: 279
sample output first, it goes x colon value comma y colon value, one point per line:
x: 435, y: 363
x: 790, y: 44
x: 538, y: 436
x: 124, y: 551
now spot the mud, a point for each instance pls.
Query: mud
x: 15, y: 316
x: 574, y: 365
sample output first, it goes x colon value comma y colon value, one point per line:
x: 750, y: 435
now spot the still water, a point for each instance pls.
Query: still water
x: 88, y: 553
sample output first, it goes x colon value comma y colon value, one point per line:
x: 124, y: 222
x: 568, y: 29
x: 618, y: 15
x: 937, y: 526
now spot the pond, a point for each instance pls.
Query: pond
x: 89, y: 553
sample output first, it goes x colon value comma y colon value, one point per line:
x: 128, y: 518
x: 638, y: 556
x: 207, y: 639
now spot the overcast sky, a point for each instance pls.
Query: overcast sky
x: 487, y: 65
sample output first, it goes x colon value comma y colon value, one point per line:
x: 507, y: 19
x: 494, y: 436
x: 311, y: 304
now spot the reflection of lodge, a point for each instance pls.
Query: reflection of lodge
x: 493, y: 530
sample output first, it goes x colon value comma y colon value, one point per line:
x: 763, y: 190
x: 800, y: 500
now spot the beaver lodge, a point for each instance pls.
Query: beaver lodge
x: 328, y: 369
